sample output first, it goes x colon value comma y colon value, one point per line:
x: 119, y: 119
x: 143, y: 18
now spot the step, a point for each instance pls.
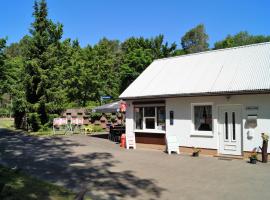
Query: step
x: 228, y: 157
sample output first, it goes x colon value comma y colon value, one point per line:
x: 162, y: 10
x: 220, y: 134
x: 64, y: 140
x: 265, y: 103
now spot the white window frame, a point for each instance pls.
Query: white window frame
x: 144, y: 130
x: 197, y: 132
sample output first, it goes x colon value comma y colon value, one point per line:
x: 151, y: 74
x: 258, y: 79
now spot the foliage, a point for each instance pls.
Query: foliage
x: 196, y: 150
x: 265, y: 137
x: 6, y: 123
x: 17, y: 185
x: 3, y: 69
x: 34, y: 121
x: 254, y: 155
x: 113, y: 118
x: 240, y: 39
x: 195, y: 40
x: 95, y: 116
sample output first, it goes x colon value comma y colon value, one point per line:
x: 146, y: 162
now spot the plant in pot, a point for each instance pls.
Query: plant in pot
x: 196, y: 152
x: 253, y: 157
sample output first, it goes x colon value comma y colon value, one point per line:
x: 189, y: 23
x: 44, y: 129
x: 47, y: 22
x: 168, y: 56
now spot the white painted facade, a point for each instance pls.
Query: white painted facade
x: 183, y: 127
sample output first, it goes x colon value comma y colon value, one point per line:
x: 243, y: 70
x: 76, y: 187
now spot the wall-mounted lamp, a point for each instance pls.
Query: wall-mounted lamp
x: 228, y: 97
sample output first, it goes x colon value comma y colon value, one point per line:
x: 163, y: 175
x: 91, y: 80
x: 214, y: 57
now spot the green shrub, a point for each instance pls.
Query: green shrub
x: 97, y: 128
x: 113, y: 118
x: 51, y: 117
x: 34, y: 121
x: 108, y: 116
x: 95, y: 116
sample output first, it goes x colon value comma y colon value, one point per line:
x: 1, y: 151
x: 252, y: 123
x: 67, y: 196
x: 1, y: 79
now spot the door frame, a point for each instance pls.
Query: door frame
x: 219, y: 127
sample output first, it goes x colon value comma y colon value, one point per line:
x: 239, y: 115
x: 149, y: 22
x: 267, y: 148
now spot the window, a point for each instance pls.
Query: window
x: 233, y: 123
x: 150, y: 117
x: 161, y: 117
x: 202, y: 117
x: 149, y: 112
x: 138, y: 118
x: 150, y: 123
x: 226, y: 126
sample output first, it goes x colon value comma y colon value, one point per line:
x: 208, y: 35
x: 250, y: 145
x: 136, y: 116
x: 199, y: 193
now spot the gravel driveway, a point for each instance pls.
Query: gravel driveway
x: 110, y: 172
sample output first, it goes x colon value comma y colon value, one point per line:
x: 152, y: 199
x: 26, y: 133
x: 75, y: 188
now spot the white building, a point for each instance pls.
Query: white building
x: 216, y: 100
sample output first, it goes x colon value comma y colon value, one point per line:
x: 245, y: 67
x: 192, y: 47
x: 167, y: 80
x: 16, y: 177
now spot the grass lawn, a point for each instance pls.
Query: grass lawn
x: 6, y: 123
x: 17, y: 185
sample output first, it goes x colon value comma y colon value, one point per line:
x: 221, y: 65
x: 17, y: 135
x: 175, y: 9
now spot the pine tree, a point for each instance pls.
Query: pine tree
x: 41, y: 61
x: 2, y: 65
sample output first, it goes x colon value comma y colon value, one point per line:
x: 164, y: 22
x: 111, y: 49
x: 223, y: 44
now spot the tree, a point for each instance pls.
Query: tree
x: 195, y: 40
x: 41, y: 60
x: 2, y: 66
x: 240, y: 39
x: 105, y: 66
x: 138, y: 53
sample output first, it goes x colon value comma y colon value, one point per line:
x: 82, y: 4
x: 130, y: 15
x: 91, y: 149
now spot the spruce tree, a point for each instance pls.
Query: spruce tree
x: 41, y: 61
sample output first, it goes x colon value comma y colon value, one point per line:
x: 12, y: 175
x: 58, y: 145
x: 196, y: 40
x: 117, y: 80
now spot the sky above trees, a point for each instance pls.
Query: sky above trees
x: 88, y: 21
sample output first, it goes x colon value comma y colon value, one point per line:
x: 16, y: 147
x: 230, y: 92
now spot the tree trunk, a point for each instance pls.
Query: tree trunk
x: 264, y: 151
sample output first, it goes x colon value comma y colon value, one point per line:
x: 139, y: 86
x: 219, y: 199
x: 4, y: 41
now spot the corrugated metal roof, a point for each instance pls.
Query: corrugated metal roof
x: 233, y: 70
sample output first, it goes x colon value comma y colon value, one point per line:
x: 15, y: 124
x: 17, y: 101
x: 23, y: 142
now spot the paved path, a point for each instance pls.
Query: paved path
x: 110, y: 172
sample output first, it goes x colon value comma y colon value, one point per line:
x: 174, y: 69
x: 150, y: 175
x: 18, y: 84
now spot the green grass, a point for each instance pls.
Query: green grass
x: 9, y: 124
x: 6, y: 123
x: 19, y: 186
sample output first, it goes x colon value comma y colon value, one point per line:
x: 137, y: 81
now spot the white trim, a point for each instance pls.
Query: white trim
x: 144, y: 129
x: 229, y: 107
x: 201, y: 133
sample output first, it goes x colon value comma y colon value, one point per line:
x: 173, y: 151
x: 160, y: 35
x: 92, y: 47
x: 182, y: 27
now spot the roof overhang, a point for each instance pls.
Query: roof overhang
x: 162, y: 96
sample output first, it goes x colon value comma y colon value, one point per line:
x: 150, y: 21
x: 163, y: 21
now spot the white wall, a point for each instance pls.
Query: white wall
x: 182, y: 127
x: 129, y: 118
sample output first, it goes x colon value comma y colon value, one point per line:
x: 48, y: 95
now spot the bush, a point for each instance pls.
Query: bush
x: 95, y: 116
x: 97, y: 128
x: 50, y: 122
x: 34, y: 121
x: 113, y: 118
x: 93, y: 128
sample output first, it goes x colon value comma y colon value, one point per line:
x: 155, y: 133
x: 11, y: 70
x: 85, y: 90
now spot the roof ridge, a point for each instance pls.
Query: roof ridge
x: 214, y: 50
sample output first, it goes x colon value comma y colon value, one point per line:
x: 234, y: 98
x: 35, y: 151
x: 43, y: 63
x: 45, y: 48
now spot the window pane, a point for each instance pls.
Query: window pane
x: 149, y: 112
x: 161, y: 116
x: 138, y: 112
x: 233, y: 123
x: 226, y: 126
x: 150, y: 123
x: 203, y: 118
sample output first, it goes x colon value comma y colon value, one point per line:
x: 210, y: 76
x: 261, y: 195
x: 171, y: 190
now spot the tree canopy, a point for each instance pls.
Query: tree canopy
x: 240, y: 39
x: 195, y: 40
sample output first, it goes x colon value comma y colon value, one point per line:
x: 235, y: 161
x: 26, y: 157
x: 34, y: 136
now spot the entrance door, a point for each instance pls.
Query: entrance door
x: 230, y: 130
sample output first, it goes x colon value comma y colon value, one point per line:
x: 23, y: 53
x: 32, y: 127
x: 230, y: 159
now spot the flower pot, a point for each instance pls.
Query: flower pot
x: 253, y: 160
x: 195, y: 154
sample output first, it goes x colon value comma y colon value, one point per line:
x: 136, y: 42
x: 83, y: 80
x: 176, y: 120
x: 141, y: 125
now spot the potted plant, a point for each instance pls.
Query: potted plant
x: 253, y: 157
x: 196, y: 152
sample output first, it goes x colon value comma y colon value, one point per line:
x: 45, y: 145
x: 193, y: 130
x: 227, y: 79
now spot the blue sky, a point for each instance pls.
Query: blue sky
x: 90, y: 20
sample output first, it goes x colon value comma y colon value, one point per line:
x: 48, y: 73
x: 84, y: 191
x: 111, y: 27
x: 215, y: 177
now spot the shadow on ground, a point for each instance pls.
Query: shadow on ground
x: 52, y: 159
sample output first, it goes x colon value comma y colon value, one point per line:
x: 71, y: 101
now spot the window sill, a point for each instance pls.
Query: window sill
x: 149, y: 131
x: 202, y: 134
